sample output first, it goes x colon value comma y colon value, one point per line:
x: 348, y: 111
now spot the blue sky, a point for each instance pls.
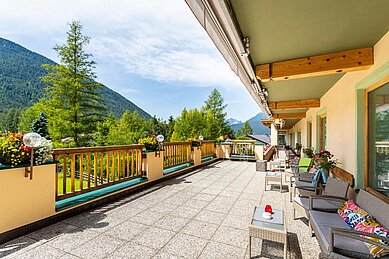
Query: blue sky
x: 153, y: 52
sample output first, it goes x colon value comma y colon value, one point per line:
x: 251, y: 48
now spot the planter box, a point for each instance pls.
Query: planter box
x: 24, y: 201
x: 195, y: 144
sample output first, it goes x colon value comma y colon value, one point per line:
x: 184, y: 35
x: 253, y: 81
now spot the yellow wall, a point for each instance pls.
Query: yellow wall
x: 339, y: 103
x: 23, y: 201
x: 153, y: 165
x: 196, y: 154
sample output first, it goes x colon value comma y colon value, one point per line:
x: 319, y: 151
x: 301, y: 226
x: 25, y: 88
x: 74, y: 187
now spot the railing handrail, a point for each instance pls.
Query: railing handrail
x: 208, y: 141
x: 80, y: 150
x: 177, y: 143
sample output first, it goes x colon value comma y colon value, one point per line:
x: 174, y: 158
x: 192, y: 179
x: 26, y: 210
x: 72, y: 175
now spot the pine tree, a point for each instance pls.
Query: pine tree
x: 72, y: 92
x: 40, y: 126
x: 214, y: 112
x: 245, y: 130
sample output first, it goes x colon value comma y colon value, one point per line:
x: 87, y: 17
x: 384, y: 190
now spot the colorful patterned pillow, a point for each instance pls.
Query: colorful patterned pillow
x: 360, y: 220
x: 372, y: 226
x: 352, y: 214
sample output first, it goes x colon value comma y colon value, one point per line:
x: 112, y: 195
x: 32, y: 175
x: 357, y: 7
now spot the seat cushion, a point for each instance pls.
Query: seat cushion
x: 319, y: 204
x: 322, y: 222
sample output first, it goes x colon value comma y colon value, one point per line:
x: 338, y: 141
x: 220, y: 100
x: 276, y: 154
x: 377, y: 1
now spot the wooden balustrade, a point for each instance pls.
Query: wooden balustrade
x: 207, y: 148
x: 243, y: 147
x: 81, y: 170
x: 176, y: 153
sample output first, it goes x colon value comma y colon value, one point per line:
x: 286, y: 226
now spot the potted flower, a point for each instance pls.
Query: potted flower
x: 13, y: 152
x: 309, y: 152
x: 326, y: 161
x: 298, y: 148
x: 150, y: 143
x: 195, y: 142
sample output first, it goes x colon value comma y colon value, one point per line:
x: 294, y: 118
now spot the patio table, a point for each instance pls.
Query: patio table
x: 272, y: 230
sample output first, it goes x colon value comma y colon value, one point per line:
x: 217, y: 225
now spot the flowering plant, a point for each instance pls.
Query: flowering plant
x: 43, y: 154
x: 12, y: 149
x: 13, y: 152
x: 326, y: 160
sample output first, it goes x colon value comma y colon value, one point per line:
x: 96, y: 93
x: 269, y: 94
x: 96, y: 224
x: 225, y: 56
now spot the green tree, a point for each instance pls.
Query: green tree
x: 72, y: 92
x: 170, y: 128
x: 9, y: 119
x: 245, y: 130
x: 128, y: 130
x: 40, y: 126
x: 190, y: 124
x: 214, y: 111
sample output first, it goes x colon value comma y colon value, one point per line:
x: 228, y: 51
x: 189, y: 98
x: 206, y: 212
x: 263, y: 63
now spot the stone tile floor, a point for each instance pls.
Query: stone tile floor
x: 203, y: 214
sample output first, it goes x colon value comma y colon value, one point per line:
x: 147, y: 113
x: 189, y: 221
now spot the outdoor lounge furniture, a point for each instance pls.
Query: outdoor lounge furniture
x: 299, y: 171
x: 275, y: 174
x: 335, y: 237
x: 302, y: 184
x: 333, y: 188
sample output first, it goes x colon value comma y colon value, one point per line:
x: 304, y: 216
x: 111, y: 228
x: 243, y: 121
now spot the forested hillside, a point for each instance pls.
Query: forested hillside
x: 20, y: 84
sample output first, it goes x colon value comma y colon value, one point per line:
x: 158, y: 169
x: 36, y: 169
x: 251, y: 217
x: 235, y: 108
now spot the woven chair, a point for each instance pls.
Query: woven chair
x: 333, y: 188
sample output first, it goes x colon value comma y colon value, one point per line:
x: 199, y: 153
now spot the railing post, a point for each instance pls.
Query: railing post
x: 196, y: 155
x: 153, y: 164
x: 258, y: 152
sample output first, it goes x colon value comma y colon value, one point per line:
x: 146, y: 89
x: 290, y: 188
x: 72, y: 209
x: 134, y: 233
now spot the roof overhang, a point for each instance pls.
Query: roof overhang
x: 297, y: 50
x: 215, y: 18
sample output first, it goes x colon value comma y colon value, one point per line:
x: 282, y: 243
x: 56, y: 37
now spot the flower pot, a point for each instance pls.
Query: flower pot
x: 151, y: 146
x: 195, y: 144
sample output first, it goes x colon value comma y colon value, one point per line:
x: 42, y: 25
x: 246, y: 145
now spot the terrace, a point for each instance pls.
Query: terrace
x: 320, y: 71
x: 202, y: 214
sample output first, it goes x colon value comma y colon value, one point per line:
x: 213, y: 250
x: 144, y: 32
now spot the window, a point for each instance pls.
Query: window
x: 322, y: 132
x: 377, y: 177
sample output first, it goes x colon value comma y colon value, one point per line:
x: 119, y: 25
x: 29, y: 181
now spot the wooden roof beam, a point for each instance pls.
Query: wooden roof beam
x: 295, y: 115
x: 332, y: 63
x: 298, y: 104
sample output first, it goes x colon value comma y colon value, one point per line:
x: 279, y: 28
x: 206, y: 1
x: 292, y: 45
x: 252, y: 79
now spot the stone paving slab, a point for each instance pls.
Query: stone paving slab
x: 203, y: 214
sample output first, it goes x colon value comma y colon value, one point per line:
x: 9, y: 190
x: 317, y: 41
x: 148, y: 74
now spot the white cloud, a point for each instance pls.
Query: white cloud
x: 158, y: 40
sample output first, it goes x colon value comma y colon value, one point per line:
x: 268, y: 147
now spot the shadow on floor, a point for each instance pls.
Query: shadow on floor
x: 93, y: 219
x: 270, y: 249
x: 276, y: 187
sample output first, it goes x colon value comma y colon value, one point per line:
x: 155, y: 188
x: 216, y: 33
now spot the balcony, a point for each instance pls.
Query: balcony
x: 202, y: 214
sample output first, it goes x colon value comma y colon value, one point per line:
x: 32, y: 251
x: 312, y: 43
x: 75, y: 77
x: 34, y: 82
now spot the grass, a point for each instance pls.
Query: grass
x: 68, y: 184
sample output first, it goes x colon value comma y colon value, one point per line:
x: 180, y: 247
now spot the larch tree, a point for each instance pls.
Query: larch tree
x: 73, y: 94
x: 244, y: 131
x: 214, y: 112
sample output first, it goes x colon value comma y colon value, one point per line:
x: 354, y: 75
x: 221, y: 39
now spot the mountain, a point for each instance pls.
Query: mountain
x: 255, y: 123
x: 233, y: 121
x: 20, y: 84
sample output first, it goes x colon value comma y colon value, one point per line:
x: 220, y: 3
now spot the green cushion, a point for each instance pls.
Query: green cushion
x: 176, y: 168
x: 305, y: 162
x: 78, y: 199
x: 204, y: 159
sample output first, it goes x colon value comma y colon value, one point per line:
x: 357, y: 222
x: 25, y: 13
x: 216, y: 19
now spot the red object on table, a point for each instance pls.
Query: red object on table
x: 268, y: 209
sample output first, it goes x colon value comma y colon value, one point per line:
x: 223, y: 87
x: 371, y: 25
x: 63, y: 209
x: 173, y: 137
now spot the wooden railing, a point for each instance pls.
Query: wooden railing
x: 176, y: 153
x: 207, y: 148
x: 81, y: 170
x: 243, y: 147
